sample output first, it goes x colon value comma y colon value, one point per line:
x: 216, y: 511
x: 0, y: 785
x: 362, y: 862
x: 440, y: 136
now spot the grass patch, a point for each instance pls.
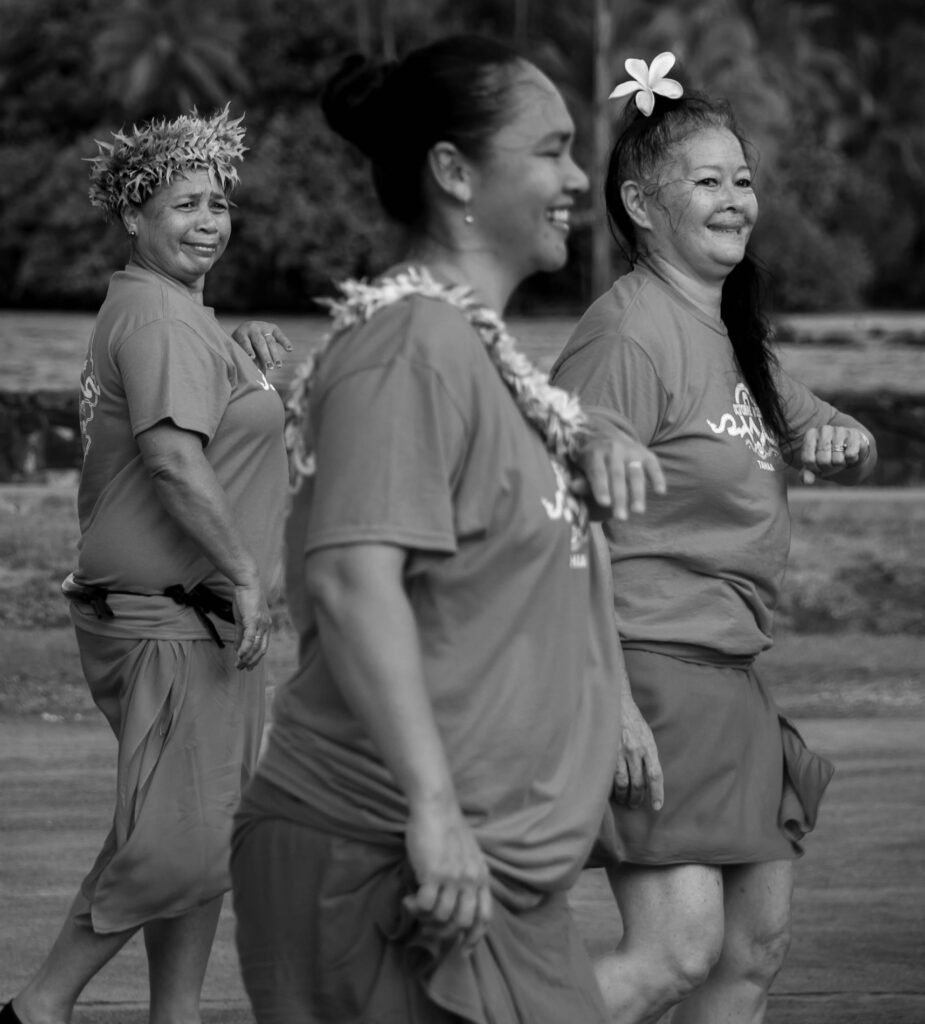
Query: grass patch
x: 855, y: 565
x: 850, y: 634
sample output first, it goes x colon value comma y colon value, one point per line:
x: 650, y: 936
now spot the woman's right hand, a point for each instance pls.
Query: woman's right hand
x: 252, y: 624
x: 453, y: 899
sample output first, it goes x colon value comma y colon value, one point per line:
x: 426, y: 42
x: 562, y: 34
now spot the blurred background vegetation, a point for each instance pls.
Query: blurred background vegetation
x: 829, y: 93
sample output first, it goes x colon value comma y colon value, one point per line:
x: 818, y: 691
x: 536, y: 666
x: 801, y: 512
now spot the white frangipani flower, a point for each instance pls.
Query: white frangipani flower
x: 648, y: 81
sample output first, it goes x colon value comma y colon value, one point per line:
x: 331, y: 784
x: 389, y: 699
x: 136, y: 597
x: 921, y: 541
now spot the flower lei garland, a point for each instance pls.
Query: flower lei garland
x: 552, y: 412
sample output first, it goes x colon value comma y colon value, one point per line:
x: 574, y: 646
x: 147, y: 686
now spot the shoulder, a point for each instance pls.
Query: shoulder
x: 140, y: 306
x: 429, y: 332
x: 617, y: 326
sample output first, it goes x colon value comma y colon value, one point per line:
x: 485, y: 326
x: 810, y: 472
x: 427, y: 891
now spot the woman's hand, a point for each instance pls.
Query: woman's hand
x: 264, y: 342
x: 619, y: 470
x: 369, y: 636
x: 253, y: 624
x: 832, y: 449
x: 639, y: 772
x: 453, y: 900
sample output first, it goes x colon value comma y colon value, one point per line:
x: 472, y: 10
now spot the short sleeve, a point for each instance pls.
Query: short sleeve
x: 170, y: 372
x: 388, y: 444
x: 802, y: 409
x: 613, y: 377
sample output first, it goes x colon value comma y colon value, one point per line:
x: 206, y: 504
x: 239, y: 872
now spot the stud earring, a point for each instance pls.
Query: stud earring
x: 131, y: 232
x: 467, y: 216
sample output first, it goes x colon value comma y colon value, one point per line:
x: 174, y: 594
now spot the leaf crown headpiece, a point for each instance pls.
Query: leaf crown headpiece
x: 137, y: 163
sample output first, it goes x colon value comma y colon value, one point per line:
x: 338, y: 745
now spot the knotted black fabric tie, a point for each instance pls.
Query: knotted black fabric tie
x: 204, y: 602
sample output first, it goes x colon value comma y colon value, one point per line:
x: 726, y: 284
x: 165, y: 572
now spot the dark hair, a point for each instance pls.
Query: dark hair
x: 643, y: 144
x: 456, y: 90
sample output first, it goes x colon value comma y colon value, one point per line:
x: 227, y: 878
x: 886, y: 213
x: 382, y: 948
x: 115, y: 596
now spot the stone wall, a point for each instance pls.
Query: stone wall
x: 39, y: 432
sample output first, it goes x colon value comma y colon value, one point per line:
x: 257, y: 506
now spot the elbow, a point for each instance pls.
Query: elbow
x: 353, y: 580
x: 330, y: 584
x: 172, y: 472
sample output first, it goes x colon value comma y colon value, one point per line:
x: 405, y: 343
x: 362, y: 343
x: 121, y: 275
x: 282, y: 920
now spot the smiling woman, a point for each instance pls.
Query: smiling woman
x: 677, y: 353
x: 181, y: 231
x: 439, y: 760
x: 179, y: 540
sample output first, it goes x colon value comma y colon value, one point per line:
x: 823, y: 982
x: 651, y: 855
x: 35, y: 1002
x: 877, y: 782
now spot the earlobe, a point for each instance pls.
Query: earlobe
x: 450, y: 171
x: 636, y: 204
x: 129, y: 222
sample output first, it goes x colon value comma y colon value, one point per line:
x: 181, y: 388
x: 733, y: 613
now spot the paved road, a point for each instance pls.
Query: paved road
x: 859, y: 950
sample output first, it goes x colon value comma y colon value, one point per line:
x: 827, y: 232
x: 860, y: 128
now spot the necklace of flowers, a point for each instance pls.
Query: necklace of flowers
x: 551, y: 411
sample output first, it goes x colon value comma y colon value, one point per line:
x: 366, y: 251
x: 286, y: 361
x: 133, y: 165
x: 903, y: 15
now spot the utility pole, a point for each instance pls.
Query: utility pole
x: 601, y: 263
x: 364, y: 26
x: 521, y: 18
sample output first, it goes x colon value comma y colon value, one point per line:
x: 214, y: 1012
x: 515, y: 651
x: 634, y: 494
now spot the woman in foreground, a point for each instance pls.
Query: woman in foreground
x: 182, y: 439
x: 677, y: 354
x: 438, y: 764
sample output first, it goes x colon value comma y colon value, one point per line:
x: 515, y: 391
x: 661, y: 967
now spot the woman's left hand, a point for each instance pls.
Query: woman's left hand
x: 831, y: 449
x: 264, y: 342
x: 638, y: 776
x: 618, y: 470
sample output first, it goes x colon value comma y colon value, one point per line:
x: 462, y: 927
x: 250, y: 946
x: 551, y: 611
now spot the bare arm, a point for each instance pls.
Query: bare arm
x: 369, y: 637
x: 188, y: 489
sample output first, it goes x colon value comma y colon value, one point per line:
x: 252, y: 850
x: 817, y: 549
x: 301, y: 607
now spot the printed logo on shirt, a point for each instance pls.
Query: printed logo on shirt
x: 566, y: 506
x: 89, y: 399
x: 746, y: 421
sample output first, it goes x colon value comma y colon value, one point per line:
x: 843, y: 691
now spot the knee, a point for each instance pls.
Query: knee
x: 692, y: 955
x: 759, y: 953
x: 690, y: 967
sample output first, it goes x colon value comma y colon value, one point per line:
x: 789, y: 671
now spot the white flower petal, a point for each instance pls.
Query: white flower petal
x: 637, y: 69
x: 645, y: 101
x: 670, y: 88
x: 660, y: 67
x: 624, y: 89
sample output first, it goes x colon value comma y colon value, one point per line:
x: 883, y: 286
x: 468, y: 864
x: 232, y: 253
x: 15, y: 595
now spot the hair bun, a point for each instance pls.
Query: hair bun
x: 354, y: 102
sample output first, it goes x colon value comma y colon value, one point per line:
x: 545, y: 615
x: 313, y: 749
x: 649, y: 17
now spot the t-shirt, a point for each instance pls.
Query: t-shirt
x: 705, y: 563
x: 156, y: 354
x: 418, y: 443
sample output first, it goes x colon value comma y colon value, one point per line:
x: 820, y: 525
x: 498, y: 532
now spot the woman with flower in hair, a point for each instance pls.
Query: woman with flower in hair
x: 439, y: 762
x: 678, y: 355
x: 179, y: 547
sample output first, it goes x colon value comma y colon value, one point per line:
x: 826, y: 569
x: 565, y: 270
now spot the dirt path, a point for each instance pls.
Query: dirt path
x: 858, y: 955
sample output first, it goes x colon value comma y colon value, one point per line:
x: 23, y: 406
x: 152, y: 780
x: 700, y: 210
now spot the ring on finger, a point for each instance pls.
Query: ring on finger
x: 268, y: 334
x: 839, y: 447
x: 635, y: 464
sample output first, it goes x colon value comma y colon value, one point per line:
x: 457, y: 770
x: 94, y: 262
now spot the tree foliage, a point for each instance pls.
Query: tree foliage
x: 829, y: 94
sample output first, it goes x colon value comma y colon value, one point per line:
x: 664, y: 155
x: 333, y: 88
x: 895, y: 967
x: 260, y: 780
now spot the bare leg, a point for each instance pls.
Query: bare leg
x: 758, y: 900
x: 77, y: 955
x: 178, y: 952
x: 672, y: 937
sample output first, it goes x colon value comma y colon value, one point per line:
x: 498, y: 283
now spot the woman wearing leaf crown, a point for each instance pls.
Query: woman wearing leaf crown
x: 179, y: 548
x: 438, y: 764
